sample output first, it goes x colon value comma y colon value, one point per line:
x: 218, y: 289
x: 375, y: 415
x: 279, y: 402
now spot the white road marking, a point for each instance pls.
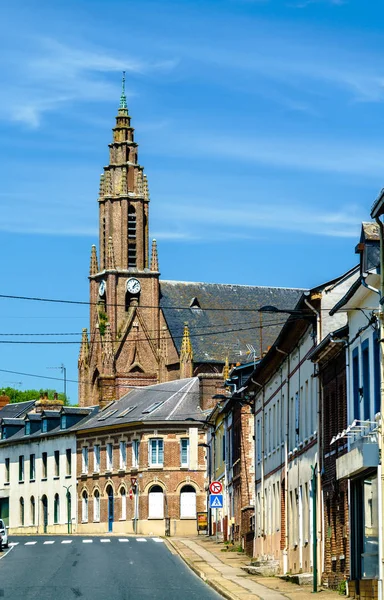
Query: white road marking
x: 66, y: 542
x: 105, y: 541
x: 123, y: 540
x: 141, y: 540
x: 87, y: 541
x: 11, y: 544
x: 157, y: 540
x: 30, y: 543
x: 50, y: 542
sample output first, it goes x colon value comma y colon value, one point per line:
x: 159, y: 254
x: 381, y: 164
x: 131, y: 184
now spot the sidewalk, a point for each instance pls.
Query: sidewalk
x: 222, y: 571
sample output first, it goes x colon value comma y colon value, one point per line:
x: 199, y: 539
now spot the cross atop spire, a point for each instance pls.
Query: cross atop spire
x: 123, y: 97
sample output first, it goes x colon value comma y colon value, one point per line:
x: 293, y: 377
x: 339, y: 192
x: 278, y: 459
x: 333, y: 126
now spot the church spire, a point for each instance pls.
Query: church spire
x: 84, y: 349
x: 123, y: 97
x: 154, y: 257
x: 186, y: 355
x: 94, y: 268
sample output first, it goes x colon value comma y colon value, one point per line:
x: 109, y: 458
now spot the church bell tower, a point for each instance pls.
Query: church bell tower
x: 124, y: 346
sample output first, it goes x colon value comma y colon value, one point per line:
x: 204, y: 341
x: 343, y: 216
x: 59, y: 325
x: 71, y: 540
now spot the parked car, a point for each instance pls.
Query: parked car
x: 3, y: 535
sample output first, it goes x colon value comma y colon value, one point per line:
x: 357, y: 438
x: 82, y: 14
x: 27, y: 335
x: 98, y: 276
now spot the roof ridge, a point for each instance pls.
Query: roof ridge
x: 267, y: 287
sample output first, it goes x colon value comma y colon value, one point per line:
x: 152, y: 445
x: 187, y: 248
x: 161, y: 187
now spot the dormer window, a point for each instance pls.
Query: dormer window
x: 44, y: 426
x: 195, y: 304
x: 63, y: 421
x: 28, y: 428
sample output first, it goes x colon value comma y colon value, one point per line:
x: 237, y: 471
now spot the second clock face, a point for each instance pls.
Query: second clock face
x: 133, y: 286
x: 102, y: 287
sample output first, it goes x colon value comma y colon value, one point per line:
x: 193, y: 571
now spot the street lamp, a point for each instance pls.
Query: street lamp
x: 68, y: 497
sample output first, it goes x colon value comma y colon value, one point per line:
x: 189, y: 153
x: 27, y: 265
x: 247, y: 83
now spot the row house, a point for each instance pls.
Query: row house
x: 358, y: 466
x: 38, y: 467
x: 285, y: 385
x: 141, y: 462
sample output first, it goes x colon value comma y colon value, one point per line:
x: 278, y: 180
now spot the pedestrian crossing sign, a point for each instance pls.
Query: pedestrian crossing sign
x: 216, y: 501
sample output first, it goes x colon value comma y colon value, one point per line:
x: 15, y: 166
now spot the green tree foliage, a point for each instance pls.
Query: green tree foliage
x: 25, y: 395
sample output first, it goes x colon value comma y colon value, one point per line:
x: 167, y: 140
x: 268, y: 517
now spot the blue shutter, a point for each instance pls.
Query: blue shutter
x: 366, y: 379
x: 355, y: 383
x: 376, y: 371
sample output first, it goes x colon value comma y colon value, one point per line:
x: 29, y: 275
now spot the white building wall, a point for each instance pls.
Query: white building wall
x: 40, y: 486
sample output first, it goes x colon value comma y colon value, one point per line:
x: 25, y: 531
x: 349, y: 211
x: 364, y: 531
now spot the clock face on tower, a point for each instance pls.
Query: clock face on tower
x: 133, y: 286
x: 102, y: 287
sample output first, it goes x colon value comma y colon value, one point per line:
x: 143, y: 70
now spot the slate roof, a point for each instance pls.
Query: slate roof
x: 21, y: 437
x: 236, y: 328
x: 178, y: 401
x: 16, y: 409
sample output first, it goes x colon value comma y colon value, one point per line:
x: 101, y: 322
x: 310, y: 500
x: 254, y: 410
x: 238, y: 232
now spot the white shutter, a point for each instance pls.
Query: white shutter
x: 188, y: 505
x: 156, y: 505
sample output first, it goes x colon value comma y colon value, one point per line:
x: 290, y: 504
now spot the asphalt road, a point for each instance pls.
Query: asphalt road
x: 91, y: 568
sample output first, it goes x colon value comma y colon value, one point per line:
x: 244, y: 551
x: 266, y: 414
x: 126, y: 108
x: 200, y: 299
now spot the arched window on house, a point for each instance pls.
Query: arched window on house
x: 132, y: 262
x: 22, y: 512
x: 56, y: 509
x: 96, y: 506
x: 188, y: 502
x: 123, y: 497
x: 156, y: 502
x: 33, y: 511
x: 84, y: 507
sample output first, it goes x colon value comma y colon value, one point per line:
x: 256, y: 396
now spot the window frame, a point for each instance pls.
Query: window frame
x: 32, y: 467
x: 184, y: 464
x: 21, y: 468
x: 156, y: 444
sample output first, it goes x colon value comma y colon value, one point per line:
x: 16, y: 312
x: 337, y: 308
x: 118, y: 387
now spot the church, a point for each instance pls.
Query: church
x: 144, y: 330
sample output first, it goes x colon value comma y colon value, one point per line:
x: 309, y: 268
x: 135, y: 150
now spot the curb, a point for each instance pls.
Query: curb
x: 213, y: 584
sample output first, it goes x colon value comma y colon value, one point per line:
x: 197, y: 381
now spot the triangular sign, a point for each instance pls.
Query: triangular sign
x: 216, y: 503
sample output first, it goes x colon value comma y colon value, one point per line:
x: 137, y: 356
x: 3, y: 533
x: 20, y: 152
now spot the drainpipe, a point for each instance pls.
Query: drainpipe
x: 255, y: 459
x: 314, y: 527
x: 317, y: 536
x: 286, y: 445
x: 381, y: 430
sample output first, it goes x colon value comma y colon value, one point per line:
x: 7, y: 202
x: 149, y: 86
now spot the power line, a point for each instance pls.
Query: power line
x: 302, y: 311
x: 169, y: 337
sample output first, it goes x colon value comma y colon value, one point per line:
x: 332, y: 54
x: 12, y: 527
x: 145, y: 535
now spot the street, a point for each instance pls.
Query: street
x: 93, y: 568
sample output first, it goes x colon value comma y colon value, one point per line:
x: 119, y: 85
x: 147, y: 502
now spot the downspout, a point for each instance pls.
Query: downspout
x: 262, y: 467
x: 316, y: 485
x: 286, y: 444
x: 381, y: 431
x: 262, y: 470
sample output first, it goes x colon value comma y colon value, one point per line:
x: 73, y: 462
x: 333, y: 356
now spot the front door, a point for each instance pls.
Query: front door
x: 110, y: 509
x: 45, y: 513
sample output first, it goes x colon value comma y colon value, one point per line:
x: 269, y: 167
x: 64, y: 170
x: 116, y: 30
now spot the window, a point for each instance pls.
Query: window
x: 44, y: 465
x: 6, y: 464
x: 297, y: 418
x: 57, y: 463
x: 84, y: 507
x: 366, y: 379
x: 153, y: 407
x: 27, y: 428
x: 109, y: 456
x: 188, y: 502
x: 84, y: 466
x: 270, y: 430
x: 156, y: 453
x: 258, y: 440
x: 123, y: 455
x: 56, y: 509
x: 32, y: 467
x: 33, y: 511
x: 123, y: 496
x: 21, y: 468
x: 355, y: 384
x: 223, y: 447
x: 96, y: 506
x: 156, y: 502
x: 63, y: 423
x: 131, y: 237
x: 108, y: 414
x: 44, y: 426
x: 184, y: 452
x: 22, y: 512
x: 68, y: 456
x: 126, y: 411
x: 96, y: 458
x: 376, y: 372
x: 135, y: 453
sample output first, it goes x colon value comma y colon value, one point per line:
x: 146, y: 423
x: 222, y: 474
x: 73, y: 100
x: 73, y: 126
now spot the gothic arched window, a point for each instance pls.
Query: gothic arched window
x: 131, y: 237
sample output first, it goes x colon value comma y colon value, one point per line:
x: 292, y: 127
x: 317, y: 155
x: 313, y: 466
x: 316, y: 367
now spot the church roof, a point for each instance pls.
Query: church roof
x: 216, y: 334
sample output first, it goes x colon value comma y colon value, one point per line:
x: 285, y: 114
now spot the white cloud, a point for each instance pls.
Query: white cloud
x: 49, y: 74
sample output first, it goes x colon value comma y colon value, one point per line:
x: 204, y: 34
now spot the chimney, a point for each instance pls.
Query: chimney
x: 44, y: 403
x: 4, y: 399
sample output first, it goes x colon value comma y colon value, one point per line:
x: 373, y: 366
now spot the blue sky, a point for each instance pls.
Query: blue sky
x: 260, y: 127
